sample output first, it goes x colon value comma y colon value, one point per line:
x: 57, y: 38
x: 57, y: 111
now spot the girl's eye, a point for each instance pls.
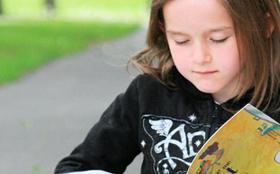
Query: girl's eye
x: 219, y: 40
x: 181, y: 42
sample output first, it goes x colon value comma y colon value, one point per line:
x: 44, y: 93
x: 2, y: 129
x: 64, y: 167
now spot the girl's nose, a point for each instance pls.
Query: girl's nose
x: 201, y: 54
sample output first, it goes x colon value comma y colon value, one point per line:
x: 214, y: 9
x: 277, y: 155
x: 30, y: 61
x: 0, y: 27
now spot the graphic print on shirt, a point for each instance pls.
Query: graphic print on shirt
x: 173, y: 142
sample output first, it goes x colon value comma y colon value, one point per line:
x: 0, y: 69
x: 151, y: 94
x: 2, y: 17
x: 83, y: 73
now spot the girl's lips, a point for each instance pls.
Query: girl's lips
x: 204, y: 72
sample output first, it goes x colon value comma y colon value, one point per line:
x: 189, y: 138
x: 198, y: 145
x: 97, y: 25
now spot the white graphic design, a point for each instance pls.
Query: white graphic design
x: 161, y: 126
x: 192, y: 118
x: 143, y: 144
x: 197, y: 143
x: 184, y: 142
x: 191, y: 136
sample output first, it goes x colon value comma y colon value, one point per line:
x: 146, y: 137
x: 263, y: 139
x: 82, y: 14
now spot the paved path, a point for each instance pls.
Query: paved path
x: 47, y: 113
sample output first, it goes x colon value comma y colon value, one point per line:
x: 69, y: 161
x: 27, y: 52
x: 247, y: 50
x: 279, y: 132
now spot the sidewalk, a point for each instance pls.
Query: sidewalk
x: 49, y: 112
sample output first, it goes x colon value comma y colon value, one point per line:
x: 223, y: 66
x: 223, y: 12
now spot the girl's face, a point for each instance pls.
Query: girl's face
x: 202, y: 41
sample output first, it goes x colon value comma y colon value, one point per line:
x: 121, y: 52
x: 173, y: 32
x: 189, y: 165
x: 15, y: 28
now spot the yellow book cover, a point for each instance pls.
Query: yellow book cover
x: 248, y: 143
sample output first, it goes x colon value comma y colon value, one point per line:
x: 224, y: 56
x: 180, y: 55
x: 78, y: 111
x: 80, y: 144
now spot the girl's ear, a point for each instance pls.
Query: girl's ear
x: 271, y: 25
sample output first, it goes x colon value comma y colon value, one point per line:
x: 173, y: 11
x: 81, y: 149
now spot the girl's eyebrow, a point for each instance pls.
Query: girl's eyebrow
x: 175, y: 32
x: 224, y: 28
x: 214, y: 30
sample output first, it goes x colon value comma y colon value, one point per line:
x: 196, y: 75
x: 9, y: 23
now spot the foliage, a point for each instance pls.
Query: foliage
x: 25, y: 45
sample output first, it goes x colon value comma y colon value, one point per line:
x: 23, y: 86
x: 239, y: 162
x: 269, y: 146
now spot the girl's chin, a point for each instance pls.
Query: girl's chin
x: 207, y: 89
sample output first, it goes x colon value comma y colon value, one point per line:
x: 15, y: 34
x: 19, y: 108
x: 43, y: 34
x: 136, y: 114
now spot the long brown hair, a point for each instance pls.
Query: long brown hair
x: 259, y: 50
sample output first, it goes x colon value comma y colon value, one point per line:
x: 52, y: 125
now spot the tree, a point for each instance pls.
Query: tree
x: 50, y: 6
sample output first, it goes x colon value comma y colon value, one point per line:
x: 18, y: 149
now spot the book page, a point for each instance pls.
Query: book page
x: 249, y: 143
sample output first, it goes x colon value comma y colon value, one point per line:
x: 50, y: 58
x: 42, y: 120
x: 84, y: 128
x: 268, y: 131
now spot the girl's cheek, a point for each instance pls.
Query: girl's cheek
x: 178, y: 55
x: 227, y: 52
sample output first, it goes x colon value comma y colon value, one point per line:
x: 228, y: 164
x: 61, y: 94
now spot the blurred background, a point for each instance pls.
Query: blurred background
x: 32, y: 32
x: 62, y: 62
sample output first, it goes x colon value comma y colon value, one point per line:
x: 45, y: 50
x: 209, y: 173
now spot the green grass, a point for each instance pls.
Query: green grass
x: 34, y: 40
x: 124, y: 10
x: 25, y: 45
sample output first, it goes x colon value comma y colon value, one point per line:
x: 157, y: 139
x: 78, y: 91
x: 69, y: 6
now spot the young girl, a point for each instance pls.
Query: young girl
x: 204, y: 61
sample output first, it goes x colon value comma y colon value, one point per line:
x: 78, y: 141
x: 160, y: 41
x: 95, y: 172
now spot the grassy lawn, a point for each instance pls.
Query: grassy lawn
x: 25, y: 45
x: 28, y: 40
x: 124, y: 10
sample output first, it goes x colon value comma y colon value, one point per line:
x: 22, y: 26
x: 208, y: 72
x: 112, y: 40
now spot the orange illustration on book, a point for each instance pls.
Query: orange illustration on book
x: 249, y: 143
x: 210, y: 157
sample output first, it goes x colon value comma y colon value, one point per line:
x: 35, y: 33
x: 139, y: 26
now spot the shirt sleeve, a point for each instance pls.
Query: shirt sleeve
x: 112, y: 143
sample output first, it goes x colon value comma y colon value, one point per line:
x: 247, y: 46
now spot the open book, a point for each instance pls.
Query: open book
x: 248, y: 143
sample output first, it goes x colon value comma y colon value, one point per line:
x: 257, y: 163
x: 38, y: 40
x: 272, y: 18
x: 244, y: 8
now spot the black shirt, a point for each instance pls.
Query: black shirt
x: 168, y: 126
